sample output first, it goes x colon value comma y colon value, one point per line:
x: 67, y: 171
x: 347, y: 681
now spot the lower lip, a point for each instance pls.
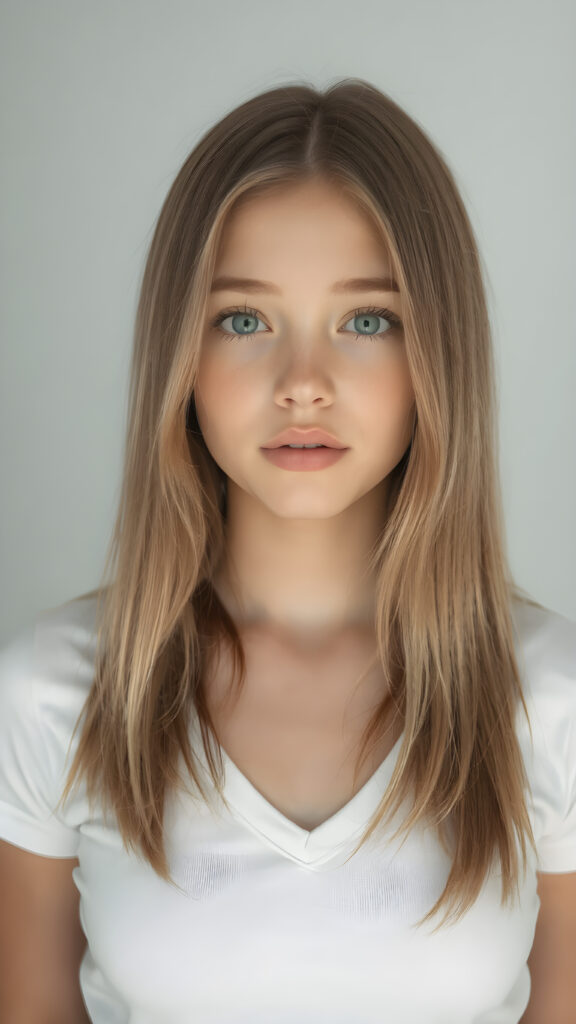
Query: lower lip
x: 303, y: 458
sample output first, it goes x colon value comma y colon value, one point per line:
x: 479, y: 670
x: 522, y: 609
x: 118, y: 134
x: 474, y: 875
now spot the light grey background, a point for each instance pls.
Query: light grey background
x: 101, y: 103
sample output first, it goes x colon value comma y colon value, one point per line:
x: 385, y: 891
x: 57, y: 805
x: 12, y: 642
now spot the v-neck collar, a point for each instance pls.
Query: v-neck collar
x: 331, y: 840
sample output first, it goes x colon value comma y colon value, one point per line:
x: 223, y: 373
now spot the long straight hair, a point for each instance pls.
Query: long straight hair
x: 443, y: 608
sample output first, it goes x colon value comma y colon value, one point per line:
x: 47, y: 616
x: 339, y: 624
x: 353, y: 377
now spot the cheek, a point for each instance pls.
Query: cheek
x: 212, y: 393
x: 391, y: 397
x: 221, y: 403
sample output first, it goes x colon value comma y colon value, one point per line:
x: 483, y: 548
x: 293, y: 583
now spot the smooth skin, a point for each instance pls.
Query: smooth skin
x: 41, y: 940
x: 552, y: 959
x: 298, y: 541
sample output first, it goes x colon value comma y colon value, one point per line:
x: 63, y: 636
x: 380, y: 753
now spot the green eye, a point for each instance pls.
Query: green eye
x: 376, y: 314
x: 244, y: 312
x: 247, y: 313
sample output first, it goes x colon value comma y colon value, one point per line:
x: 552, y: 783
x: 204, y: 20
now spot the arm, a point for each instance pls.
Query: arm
x: 552, y: 960
x: 41, y: 939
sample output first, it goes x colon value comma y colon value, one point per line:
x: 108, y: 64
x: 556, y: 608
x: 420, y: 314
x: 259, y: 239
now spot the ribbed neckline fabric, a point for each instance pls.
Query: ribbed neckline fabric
x: 309, y: 848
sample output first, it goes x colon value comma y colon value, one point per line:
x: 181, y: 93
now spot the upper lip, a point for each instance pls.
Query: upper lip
x: 299, y: 435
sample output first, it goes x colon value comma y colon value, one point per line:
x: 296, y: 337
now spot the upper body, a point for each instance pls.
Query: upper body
x: 266, y: 920
x: 270, y: 917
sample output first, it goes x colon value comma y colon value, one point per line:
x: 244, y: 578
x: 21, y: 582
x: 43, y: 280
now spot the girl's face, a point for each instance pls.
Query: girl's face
x: 309, y: 352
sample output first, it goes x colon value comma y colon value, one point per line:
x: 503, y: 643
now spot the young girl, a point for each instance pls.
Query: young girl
x: 307, y: 754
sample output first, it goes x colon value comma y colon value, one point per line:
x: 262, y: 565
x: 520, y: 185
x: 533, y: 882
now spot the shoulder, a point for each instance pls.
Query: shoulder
x: 46, y: 671
x: 545, y: 638
x: 546, y: 655
x: 546, y: 652
x: 47, y: 666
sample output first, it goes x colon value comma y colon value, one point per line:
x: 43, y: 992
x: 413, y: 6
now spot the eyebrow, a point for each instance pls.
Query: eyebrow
x: 350, y: 284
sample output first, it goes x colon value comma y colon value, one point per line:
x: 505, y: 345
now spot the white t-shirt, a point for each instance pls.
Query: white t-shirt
x: 269, y: 925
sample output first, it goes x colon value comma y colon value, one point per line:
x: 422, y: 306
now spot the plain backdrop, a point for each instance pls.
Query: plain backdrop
x: 100, y: 104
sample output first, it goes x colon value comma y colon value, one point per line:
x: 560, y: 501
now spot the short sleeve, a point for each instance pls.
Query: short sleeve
x: 33, y: 742
x: 549, y: 663
x: 557, y: 847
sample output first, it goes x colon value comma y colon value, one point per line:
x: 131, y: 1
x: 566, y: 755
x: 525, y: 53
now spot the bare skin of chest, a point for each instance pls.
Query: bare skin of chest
x: 295, y: 731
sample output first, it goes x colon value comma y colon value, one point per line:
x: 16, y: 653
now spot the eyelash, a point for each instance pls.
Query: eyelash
x: 395, y: 322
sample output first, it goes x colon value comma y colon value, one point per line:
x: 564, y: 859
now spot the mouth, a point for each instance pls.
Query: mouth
x: 297, y: 448
x: 321, y: 457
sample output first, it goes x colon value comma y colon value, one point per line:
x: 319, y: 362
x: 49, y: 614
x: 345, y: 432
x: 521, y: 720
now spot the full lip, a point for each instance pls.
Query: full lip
x: 294, y: 435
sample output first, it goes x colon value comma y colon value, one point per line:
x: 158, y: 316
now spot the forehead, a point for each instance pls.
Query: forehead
x: 304, y: 222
